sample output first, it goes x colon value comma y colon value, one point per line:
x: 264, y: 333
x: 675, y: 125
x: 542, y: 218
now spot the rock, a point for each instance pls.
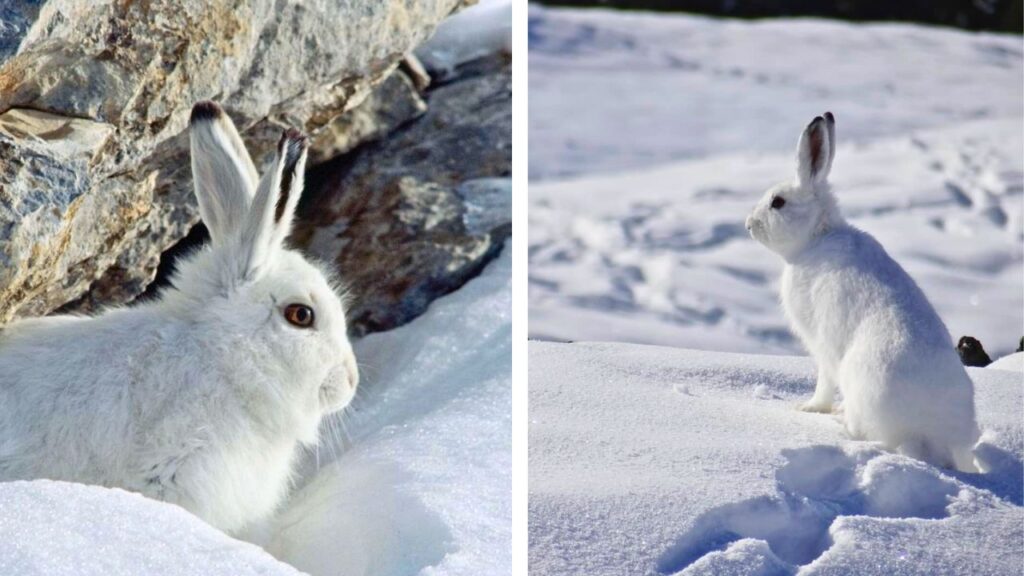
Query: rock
x: 414, y: 216
x: 94, y: 178
x: 971, y: 352
x: 393, y: 103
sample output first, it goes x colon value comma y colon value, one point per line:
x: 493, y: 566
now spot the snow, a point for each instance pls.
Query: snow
x: 652, y: 136
x: 423, y: 482
x: 1013, y: 361
x: 60, y: 528
x: 654, y: 460
x: 481, y: 29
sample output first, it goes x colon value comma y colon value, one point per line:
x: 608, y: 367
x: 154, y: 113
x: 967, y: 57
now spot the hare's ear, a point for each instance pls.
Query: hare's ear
x: 830, y: 123
x: 814, y: 153
x: 223, y: 174
x: 269, y: 219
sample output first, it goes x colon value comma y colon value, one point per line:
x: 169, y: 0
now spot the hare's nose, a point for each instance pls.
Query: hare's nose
x: 749, y: 223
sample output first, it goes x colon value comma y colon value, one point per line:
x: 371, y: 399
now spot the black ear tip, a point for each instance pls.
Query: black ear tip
x: 292, y: 145
x: 205, y: 111
x: 292, y: 138
x: 831, y: 119
x: 817, y: 120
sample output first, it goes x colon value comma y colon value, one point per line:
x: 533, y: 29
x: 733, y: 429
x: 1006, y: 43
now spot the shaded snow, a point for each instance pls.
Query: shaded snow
x: 481, y: 29
x: 651, y: 460
x: 423, y: 484
x: 652, y: 136
x: 59, y: 528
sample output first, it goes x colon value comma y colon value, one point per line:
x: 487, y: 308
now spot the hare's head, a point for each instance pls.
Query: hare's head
x: 793, y: 213
x: 279, y: 312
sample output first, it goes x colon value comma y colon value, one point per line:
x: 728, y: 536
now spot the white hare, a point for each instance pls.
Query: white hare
x: 204, y: 397
x: 873, y: 333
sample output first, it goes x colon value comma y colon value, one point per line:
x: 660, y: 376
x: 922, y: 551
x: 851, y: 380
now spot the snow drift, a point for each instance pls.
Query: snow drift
x: 60, y: 528
x: 651, y: 460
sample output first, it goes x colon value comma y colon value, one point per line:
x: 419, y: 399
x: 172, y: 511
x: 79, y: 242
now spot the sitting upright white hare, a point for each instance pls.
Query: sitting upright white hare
x: 203, y: 397
x: 871, y: 330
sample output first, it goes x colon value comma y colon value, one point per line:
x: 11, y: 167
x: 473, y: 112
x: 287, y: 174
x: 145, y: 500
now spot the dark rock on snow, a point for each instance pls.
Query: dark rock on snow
x: 971, y: 352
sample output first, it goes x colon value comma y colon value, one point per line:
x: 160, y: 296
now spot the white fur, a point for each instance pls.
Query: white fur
x: 874, y: 335
x: 203, y: 397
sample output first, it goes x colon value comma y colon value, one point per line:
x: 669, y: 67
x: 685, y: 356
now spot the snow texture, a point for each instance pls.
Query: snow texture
x: 479, y: 30
x: 59, y: 528
x: 652, y: 460
x: 653, y: 136
x: 1013, y: 361
x: 423, y: 483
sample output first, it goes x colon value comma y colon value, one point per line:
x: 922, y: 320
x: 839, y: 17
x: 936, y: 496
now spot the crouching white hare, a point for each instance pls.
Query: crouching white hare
x: 872, y: 332
x: 203, y: 397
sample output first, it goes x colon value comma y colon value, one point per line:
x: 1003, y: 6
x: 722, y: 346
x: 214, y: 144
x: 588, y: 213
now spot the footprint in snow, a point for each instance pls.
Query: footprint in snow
x: 817, y: 485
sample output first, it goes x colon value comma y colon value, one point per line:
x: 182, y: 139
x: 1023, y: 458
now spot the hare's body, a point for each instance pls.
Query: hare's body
x: 201, y: 398
x: 872, y: 332
x: 858, y: 313
x: 89, y: 407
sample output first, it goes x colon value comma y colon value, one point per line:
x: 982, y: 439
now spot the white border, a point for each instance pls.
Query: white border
x: 520, y: 420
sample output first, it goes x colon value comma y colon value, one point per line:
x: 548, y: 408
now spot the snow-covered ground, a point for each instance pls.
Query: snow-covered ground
x: 652, y: 136
x: 653, y: 460
x: 64, y: 529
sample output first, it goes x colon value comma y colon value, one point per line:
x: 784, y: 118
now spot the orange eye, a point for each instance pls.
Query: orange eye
x: 299, y: 315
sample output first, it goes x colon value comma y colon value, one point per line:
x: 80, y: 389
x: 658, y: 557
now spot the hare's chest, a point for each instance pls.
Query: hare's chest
x: 797, y: 302
x: 817, y: 303
x: 230, y: 482
x: 252, y: 481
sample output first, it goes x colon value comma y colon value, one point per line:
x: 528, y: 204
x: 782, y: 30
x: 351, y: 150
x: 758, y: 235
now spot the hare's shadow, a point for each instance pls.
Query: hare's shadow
x: 819, y: 484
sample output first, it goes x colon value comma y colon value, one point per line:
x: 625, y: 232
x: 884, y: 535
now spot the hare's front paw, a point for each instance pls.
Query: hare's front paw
x: 816, y: 406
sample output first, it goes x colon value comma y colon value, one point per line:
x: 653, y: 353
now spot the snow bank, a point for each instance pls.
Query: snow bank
x: 422, y: 484
x: 58, y: 528
x: 652, y: 136
x: 479, y: 30
x: 650, y: 460
x: 1013, y: 361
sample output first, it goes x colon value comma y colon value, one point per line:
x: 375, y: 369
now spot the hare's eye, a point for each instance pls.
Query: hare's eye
x: 299, y: 315
x: 778, y: 202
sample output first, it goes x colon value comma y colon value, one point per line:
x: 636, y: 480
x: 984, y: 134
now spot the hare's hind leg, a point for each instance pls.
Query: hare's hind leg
x: 964, y: 460
x: 935, y: 454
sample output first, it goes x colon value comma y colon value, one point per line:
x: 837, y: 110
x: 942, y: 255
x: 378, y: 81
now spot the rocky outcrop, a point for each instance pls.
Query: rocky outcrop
x: 94, y: 98
x: 413, y: 216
